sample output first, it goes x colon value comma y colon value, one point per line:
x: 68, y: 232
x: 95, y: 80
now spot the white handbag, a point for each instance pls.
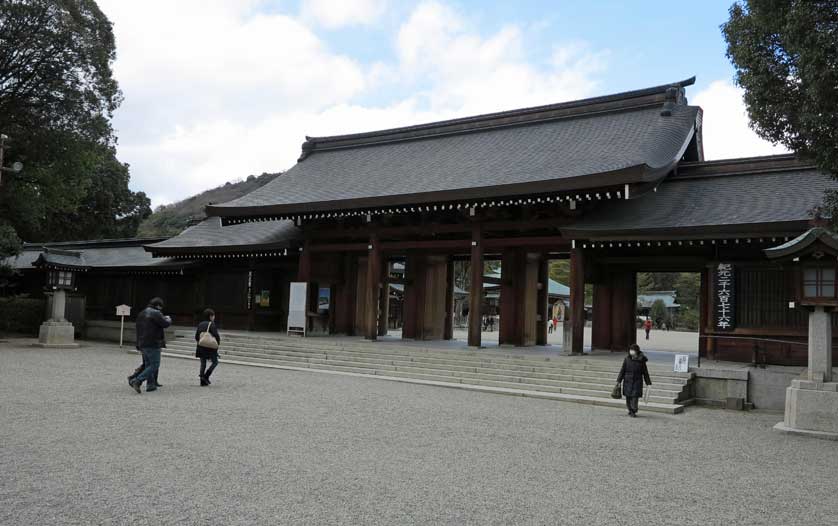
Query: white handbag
x: 207, y: 340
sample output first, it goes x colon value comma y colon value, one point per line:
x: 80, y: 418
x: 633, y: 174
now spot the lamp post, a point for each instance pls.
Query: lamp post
x: 15, y: 167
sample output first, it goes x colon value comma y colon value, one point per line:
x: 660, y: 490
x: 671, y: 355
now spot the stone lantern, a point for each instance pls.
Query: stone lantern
x: 61, y: 267
x: 812, y: 402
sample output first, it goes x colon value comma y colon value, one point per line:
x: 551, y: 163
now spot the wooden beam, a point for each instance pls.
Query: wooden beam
x: 557, y: 243
x: 475, y: 312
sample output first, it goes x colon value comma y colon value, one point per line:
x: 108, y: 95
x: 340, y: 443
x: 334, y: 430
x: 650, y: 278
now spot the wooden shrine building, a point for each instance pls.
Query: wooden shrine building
x: 616, y: 184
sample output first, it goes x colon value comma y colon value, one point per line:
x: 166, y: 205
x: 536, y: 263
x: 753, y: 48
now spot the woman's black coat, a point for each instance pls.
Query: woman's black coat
x: 202, y: 328
x: 632, y: 374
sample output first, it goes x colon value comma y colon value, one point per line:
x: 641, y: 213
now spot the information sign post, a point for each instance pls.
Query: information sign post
x: 122, y: 311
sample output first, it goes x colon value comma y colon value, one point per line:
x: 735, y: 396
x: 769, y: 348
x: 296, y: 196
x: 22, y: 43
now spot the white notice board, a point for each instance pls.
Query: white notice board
x: 682, y: 363
x: 297, y: 307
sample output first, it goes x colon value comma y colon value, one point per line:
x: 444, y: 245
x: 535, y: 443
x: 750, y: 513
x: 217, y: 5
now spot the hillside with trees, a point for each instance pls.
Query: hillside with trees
x: 170, y: 220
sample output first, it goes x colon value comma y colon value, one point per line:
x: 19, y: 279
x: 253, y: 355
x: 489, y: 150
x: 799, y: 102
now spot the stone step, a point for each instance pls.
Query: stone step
x: 658, y: 396
x: 458, y: 358
x: 604, y: 382
x: 555, y: 372
x: 565, y: 397
x: 326, y: 343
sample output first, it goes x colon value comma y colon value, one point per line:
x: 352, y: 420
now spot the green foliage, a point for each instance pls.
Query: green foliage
x: 21, y: 315
x: 170, y: 220
x: 786, y: 59
x: 688, y: 288
x: 658, y: 312
x: 57, y: 96
x: 688, y: 319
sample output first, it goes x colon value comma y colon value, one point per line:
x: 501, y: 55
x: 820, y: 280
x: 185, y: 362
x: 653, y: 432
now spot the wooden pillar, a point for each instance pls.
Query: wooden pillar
x: 475, y: 312
x: 623, y: 301
x: 251, y: 311
x: 344, y: 308
x: 601, y: 323
x: 304, y: 274
x: 414, y: 299
x: 448, y: 331
x: 542, y: 310
x: 373, y: 285
x: 304, y: 266
x: 508, y: 328
x: 577, y: 301
x: 383, y: 299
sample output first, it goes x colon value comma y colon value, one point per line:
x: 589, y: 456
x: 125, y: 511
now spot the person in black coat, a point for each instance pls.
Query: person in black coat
x: 632, y: 374
x: 151, y: 339
x: 206, y: 353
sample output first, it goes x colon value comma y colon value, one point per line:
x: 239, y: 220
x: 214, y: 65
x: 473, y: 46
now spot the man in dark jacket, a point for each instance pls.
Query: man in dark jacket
x: 632, y: 374
x: 151, y: 338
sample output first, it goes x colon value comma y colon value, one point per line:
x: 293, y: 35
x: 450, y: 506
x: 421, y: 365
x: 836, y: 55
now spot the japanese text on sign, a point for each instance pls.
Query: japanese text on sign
x: 724, y: 295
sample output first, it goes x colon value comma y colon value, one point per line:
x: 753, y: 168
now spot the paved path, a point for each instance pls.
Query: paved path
x: 261, y: 446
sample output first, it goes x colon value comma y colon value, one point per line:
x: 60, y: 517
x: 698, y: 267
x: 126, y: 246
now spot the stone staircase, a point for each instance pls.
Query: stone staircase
x: 504, y: 371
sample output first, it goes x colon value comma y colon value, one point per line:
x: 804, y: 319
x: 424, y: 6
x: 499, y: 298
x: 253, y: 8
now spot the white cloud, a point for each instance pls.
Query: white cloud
x: 726, y: 133
x: 477, y: 74
x: 332, y: 14
x: 216, y: 90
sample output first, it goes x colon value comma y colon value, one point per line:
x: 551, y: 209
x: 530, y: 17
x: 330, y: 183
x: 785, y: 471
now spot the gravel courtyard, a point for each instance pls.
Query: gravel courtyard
x: 264, y: 446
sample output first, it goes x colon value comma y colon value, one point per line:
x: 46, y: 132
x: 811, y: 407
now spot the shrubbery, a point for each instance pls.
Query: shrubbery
x: 21, y: 314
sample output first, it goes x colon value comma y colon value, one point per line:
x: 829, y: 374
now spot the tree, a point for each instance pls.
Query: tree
x: 658, y: 312
x: 786, y: 57
x: 57, y: 97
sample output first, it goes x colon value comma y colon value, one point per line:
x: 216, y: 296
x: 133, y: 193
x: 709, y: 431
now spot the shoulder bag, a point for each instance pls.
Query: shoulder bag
x: 207, y: 340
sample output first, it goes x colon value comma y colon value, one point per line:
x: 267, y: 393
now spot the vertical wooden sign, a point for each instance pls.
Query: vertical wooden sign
x: 724, y: 297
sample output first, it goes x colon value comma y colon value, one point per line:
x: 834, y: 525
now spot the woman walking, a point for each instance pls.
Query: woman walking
x: 208, y: 341
x: 632, y: 374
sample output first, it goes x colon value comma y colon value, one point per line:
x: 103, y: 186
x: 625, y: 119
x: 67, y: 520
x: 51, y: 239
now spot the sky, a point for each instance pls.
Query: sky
x: 216, y: 90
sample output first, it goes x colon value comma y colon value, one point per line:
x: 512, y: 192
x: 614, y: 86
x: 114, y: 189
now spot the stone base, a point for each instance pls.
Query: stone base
x: 805, y: 432
x: 58, y: 334
x: 812, y: 407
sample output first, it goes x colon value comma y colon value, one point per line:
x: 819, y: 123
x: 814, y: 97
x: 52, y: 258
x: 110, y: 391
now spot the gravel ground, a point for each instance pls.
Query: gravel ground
x: 262, y: 446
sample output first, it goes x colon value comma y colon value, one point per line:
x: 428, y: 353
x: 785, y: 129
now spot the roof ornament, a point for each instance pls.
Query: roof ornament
x: 674, y: 95
x: 308, y: 147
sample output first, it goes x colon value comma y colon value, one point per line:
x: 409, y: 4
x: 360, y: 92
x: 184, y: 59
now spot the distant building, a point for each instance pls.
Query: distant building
x: 668, y: 297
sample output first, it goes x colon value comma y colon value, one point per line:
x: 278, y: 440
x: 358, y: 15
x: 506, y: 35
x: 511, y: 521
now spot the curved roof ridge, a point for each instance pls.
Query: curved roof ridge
x: 593, y: 105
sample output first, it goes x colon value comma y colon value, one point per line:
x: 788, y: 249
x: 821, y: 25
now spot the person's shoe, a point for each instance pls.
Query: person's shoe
x: 204, y: 381
x: 158, y: 385
x: 634, y: 415
x: 135, y: 385
x: 152, y: 389
x: 131, y: 379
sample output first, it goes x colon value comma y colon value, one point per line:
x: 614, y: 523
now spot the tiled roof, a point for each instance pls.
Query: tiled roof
x: 615, y: 140
x: 694, y: 204
x: 95, y: 255
x: 209, y: 236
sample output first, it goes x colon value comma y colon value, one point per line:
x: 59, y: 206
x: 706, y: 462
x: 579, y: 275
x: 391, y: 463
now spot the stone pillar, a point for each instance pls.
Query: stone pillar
x: 59, y: 305
x: 820, y: 345
x: 812, y: 404
x: 57, y: 331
